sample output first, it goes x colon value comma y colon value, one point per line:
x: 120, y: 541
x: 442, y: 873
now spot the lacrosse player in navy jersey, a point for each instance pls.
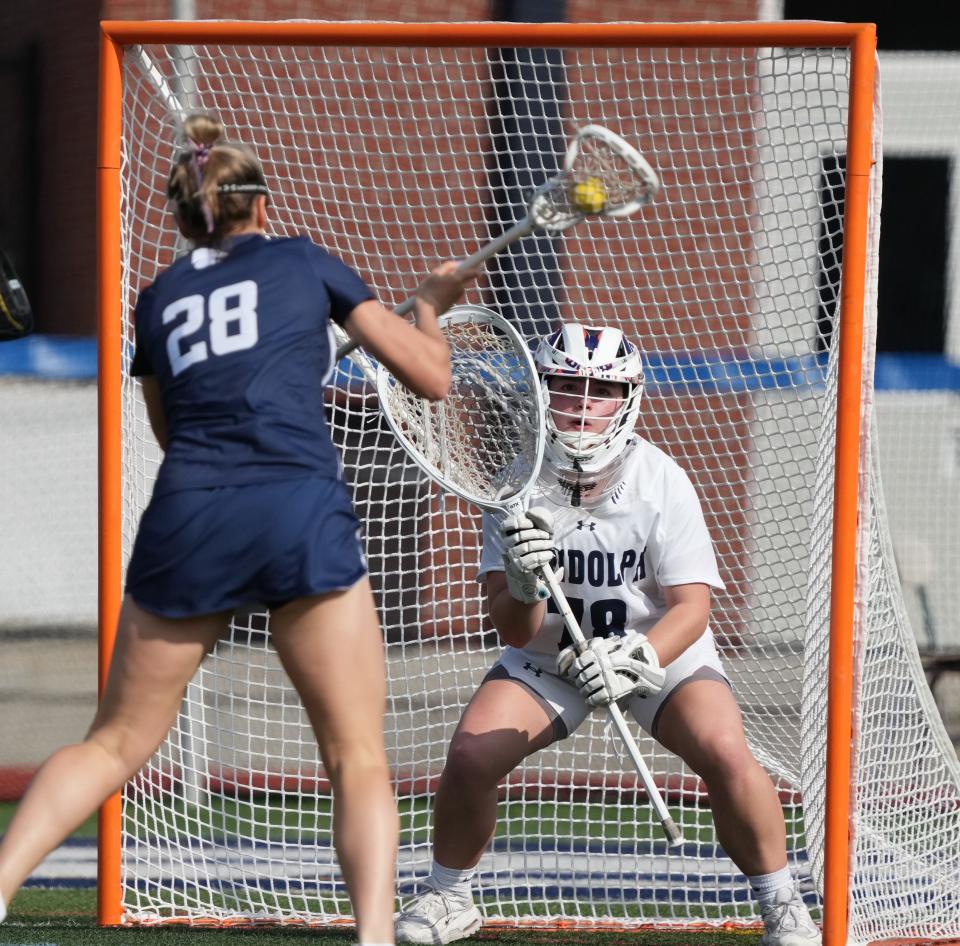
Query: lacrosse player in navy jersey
x: 624, y: 528
x: 233, y: 349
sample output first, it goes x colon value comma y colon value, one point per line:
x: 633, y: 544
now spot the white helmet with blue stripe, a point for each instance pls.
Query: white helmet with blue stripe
x: 596, y: 353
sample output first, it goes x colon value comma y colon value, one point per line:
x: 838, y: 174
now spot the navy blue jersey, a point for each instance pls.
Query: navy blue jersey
x: 240, y: 343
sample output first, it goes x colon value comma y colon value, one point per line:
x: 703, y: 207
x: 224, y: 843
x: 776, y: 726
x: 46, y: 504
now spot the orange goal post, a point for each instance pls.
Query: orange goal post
x: 750, y: 286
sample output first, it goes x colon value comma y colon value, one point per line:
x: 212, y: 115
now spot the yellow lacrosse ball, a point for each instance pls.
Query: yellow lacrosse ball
x: 590, y: 196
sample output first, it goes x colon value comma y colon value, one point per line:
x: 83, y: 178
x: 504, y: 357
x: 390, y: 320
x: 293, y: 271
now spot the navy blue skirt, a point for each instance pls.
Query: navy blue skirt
x: 199, y: 551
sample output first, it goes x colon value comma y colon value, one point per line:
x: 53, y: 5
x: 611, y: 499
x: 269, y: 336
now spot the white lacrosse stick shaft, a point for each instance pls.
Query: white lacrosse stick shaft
x: 517, y: 232
x: 670, y: 829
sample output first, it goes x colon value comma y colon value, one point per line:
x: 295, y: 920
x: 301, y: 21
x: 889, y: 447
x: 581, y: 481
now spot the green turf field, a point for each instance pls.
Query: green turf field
x: 66, y: 917
x: 263, y: 820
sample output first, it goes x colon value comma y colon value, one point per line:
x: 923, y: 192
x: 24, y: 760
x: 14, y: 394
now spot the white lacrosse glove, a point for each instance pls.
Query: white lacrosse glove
x: 527, y: 546
x: 612, y: 668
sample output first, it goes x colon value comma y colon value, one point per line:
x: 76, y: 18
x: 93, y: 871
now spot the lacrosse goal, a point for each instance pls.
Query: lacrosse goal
x: 749, y: 285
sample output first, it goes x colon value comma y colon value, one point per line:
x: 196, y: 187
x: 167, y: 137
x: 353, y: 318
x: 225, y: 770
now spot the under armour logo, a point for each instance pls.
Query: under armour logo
x: 532, y: 668
x: 581, y: 524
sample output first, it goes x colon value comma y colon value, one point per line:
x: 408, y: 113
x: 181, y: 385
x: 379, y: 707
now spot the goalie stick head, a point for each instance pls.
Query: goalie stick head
x: 16, y: 316
x: 484, y: 440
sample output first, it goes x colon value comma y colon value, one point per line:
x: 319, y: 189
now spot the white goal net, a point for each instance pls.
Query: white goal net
x: 396, y: 157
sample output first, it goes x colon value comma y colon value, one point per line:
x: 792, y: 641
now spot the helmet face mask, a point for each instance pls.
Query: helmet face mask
x: 593, y: 381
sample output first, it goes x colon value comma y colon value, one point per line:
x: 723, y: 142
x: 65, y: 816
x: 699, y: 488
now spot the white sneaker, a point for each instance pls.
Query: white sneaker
x: 786, y: 921
x: 435, y: 918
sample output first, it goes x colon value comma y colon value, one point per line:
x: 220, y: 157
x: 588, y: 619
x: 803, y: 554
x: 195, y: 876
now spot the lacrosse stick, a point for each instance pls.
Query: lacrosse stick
x: 602, y: 176
x: 16, y: 316
x: 484, y: 442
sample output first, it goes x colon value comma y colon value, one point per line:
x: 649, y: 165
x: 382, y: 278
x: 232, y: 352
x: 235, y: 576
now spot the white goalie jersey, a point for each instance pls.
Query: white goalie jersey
x: 647, y: 533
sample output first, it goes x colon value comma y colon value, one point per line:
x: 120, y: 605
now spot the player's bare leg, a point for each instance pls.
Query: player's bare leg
x: 702, y: 724
x: 500, y: 727
x: 153, y: 661
x: 332, y: 649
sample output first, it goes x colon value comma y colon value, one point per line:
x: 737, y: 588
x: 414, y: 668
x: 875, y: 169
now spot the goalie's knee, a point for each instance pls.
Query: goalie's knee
x: 469, y: 764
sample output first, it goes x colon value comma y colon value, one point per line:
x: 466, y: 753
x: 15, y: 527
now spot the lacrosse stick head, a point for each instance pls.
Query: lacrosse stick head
x: 602, y: 176
x: 484, y: 441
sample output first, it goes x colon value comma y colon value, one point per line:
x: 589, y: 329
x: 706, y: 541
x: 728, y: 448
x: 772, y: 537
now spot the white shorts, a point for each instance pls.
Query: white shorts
x: 566, y: 707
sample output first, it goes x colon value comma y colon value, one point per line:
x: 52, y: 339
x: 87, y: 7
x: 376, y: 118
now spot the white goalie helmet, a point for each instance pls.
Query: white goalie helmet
x: 596, y: 353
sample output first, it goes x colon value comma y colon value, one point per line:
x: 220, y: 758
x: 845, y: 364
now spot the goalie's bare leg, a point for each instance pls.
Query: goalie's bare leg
x: 701, y: 723
x: 502, y: 725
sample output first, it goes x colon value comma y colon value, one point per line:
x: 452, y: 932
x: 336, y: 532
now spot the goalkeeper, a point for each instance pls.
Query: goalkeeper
x: 234, y: 348
x: 624, y: 528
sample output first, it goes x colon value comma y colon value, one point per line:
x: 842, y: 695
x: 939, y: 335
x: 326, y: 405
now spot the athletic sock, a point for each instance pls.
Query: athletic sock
x: 766, y: 886
x: 452, y: 882
x: 3, y: 909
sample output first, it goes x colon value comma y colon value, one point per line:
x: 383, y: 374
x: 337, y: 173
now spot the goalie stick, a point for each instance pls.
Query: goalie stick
x: 484, y: 442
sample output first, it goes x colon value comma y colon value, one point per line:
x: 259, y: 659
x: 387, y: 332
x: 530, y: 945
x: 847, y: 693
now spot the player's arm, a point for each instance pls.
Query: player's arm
x: 155, y: 412
x: 416, y: 353
x: 686, y: 617
x: 685, y: 552
x: 516, y: 621
x: 419, y: 359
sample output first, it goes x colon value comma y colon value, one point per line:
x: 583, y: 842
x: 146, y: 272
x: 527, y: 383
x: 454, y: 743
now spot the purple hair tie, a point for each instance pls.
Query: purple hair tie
x: 201, y: 153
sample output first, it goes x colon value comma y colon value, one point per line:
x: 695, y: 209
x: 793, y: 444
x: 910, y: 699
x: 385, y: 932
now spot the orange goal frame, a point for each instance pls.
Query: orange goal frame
x: 860, y: 38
